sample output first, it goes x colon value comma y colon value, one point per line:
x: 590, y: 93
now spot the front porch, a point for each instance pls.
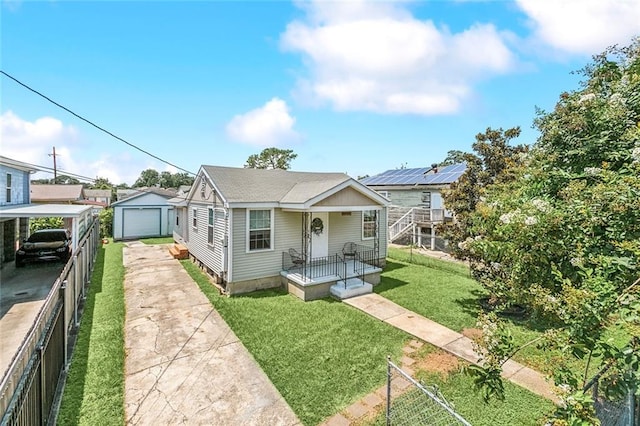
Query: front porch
x: 340, y: 275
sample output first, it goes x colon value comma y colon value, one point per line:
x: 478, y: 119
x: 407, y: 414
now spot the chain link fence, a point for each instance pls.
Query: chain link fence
x: 411, y: 403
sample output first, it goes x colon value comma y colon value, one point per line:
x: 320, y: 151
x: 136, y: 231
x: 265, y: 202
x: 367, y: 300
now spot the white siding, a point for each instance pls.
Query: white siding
x: 349, y: 229
x: 413, y: 197
x: 287, y: 234
x: 145, y: 201
x: 210, y: 255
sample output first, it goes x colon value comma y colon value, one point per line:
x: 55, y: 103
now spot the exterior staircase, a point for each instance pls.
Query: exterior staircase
x: 178, y: 251
x: 413, y: 217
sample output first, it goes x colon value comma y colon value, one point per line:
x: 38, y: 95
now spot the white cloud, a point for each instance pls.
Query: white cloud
x: 377, y: 57
x: 33, y: 141
x: 583, y: 26
x: 269, y: 125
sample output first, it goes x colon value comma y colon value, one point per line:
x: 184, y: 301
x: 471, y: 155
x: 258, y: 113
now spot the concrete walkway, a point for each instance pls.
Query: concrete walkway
x: 444, y: 338
x: 183, y: 364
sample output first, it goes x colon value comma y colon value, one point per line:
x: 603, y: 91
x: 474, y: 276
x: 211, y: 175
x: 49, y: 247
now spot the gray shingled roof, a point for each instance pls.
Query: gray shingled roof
x: 97, y: 193
x: 264, y: 186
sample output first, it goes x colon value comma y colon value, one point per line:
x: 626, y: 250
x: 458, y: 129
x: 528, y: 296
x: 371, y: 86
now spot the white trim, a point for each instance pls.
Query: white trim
x: 362, y: 229
x: 229, y: 232
x: 272, y: 241
x: 211, y: 213
x: 195, y: 188
x: 331, y: 209
x: 254, y: 206
x: 194, y: 212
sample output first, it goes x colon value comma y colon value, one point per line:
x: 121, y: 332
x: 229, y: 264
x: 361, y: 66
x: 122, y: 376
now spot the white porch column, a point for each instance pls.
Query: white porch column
x: 433, y: 237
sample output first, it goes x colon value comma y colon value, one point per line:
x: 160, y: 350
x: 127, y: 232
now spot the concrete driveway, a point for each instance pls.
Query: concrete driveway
x: 184, y: 365
x: 22, y: 293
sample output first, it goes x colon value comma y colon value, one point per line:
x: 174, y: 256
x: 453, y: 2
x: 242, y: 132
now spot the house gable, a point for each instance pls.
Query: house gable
x: 346, y: 197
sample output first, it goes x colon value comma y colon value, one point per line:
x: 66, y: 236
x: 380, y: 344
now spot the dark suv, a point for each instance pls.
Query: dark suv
x: 45, y: 244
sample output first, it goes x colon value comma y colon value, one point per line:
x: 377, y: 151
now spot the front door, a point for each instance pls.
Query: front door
x: 319, y: 230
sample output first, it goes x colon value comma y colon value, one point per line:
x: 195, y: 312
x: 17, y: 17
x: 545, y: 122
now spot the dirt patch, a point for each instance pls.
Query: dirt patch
x: 439, y: 362
x: 472, y: 333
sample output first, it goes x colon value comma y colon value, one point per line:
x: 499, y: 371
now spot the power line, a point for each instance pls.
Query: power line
x: 93, y: 124
x: 46, y: 169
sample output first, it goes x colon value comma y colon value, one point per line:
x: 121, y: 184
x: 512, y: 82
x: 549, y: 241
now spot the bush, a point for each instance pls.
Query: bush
x: 106, y: 223
x: 45, y: 223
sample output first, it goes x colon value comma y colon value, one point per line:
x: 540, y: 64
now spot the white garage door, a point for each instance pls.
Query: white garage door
x: 141, y: 223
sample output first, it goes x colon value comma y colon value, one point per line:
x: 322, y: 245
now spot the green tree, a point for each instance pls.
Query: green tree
x: 492, y: 162
x: 271, y: 158
x: 560, y: 234
x: 148, y: 178
x: 65, y: 180
x: 453, y: 157
x: 101, y: 183
x: 38, y: 223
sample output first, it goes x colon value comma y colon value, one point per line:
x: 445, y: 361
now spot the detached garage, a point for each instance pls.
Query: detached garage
x: 143, y: 215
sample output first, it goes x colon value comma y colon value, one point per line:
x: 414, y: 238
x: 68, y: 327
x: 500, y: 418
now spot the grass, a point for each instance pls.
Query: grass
x: 158, y: 240
x: 321, y: 355
x: 94, y: 391
x: 520, y: 406
x: 444, y: 292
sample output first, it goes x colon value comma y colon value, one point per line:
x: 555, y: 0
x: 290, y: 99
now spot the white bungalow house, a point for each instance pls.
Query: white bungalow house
x: 313, y: 233
x: 416, y: 201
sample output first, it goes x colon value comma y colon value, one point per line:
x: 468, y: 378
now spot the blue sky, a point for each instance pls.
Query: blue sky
x: 351, y: 86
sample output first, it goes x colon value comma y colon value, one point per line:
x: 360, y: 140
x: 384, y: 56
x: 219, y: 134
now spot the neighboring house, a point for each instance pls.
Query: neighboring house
x: 57, y: 194
x: 14, y: 191
x: 313, y: 233
x: 121, y: 194
x: 16, y: 209
x: 102, y: 196
x: 416, y: 201
x: 144, y: 214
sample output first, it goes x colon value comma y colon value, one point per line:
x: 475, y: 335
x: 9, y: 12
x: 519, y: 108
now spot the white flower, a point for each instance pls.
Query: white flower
x: 575, y: 261
x: 635, y: 154
x: 586, y: 98
x: 506, y: 218
x: 541, y: 205
x: 496, y: 266
x: 615, y: 98
x: 593, y: 171
x: 530, y: 220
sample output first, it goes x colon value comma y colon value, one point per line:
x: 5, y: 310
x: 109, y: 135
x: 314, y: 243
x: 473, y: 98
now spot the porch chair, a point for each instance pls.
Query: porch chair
x: 296, y: 258
x: 349, y: 250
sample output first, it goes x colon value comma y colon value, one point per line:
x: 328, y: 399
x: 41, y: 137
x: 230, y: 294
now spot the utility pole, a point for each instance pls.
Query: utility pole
x: 55, y: 168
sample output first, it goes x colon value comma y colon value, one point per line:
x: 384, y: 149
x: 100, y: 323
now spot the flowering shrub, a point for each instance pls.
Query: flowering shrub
x: 561, y: 233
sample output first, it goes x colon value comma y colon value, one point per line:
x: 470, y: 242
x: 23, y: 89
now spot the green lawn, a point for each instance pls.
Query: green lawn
x: 321, y: 355
x: 158, y: 240
x: 445, y: 292
x: 94, y: 392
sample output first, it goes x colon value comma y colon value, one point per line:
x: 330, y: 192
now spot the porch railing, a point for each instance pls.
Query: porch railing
x: 334, y: 264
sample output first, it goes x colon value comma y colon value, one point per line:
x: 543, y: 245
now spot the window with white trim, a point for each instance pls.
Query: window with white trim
x: 194, y: 212
x: 385, y: 194
x: 210, y: 226
x: 259, y: 229
x: 368, y: 224
x: 8, y: 187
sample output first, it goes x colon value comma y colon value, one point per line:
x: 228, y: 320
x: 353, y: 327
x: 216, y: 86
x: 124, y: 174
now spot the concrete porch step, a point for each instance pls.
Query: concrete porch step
x: 354, y: 287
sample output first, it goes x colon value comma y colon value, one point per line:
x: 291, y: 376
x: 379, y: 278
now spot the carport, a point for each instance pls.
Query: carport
x: 77, y: 219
